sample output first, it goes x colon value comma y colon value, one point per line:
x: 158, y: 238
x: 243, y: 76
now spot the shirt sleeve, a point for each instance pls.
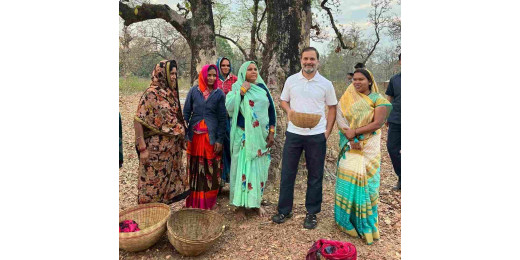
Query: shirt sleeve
x: 285, y: 92
x: 390, y: 89
x: 187, y: 106
x: 330, y: 96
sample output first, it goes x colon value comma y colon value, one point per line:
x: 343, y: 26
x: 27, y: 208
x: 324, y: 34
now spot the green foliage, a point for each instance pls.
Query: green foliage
x: 335, y: 66
x: 133, y: 84
x: 146, y: 65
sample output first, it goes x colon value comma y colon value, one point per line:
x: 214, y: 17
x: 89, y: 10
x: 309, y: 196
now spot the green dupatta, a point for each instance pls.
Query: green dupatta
x: 254, y: 108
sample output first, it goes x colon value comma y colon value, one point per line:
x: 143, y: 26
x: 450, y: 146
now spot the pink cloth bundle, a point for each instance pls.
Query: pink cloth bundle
x: 128, y: 226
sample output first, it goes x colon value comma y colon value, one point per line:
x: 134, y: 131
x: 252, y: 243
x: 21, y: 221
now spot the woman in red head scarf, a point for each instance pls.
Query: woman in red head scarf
x: 206, y: 113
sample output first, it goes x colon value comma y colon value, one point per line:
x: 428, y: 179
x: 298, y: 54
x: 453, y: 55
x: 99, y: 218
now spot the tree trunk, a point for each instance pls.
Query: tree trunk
x: 199, y: 30
x: 201, y: 37
x: 252, y: 50
x: 288, y: 32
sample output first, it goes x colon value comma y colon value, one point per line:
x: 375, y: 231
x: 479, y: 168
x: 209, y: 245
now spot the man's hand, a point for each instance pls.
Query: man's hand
x: 290, y: 114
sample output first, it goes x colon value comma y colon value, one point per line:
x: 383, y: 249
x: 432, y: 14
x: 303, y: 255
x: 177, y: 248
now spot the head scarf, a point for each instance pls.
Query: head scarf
x: 358, y: 108
x: 254, y: 108
x: 220, y: 74
x: 203, y: 77
x: 159, y: 109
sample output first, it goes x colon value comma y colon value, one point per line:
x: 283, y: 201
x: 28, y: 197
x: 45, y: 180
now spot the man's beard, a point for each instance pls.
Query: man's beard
x: 309, y: 70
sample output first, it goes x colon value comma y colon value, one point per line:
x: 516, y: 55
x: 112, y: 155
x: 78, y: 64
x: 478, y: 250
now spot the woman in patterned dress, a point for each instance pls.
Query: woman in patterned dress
x: 159, y: 133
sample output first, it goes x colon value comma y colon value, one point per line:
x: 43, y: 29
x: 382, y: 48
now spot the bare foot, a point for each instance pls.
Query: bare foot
x: 240, y: 214
x: 261, y: 212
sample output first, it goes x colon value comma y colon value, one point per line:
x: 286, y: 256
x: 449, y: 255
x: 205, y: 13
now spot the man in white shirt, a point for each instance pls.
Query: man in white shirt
x: 306, y: 92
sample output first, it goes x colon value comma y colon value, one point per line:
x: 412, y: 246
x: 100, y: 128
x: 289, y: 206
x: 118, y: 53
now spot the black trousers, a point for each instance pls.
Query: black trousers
x: 393, y: 145
x: 315, y: 147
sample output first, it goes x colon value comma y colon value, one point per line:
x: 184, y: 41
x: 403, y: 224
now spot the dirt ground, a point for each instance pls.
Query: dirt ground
x: 259, y: 238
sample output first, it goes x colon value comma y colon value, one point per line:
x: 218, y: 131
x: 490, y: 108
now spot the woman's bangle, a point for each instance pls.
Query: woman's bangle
x: 271, y: 130
x: 139, y: 137
x: 243, y: 89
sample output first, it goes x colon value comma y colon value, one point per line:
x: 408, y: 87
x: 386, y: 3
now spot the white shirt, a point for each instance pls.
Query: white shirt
x: 309, y: 96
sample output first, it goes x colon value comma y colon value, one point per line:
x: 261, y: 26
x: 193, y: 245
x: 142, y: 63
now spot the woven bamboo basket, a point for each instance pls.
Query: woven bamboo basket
x: 151, y: 219
x: 193, y: 231
x: 305, y: 120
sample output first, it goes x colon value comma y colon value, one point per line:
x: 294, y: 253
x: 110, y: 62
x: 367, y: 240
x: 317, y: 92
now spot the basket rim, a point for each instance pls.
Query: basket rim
x: 303, y: 113
x: 149, y: 230
x: 194, y: 241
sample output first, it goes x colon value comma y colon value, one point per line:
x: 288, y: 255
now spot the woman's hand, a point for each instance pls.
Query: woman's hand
x: 350, y: 133
x: 217, y: 148
x: 355, y: 146
x: 246, y: 85
x: 143, y: 156
x: 344, y: 130
x: 270, y: 140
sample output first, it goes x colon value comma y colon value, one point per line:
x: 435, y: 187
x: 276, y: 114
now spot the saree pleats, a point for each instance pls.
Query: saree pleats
x: 204, y: 168
x: 357, y: 190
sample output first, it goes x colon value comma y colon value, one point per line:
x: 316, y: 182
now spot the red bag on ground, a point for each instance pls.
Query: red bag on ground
x: 332, y: 250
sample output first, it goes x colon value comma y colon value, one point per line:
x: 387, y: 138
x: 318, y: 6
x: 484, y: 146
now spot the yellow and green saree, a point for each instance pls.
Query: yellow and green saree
x: 357, y: 181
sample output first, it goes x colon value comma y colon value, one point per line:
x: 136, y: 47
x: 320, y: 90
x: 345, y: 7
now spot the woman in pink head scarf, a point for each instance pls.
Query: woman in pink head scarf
x: 206, y: 113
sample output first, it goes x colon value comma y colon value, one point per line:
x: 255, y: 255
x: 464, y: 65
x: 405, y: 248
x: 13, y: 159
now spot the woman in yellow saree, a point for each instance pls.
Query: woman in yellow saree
x: 361, y: 113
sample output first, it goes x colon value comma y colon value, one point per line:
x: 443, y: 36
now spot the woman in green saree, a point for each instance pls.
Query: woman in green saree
x: 251, y: 108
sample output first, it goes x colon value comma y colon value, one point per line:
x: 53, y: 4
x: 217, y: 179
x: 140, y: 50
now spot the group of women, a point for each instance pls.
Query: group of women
x: 227, y: 127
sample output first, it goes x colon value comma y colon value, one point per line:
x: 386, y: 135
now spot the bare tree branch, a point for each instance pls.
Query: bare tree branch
x: 258, y: 28
x: 317, y: 35
x: 338, y: 33
x: 379, y: 19
x: 220, y: 24
x: 186, y: 11
x: 234, y: 42
x: 153, y: 11
x: 252, y: 49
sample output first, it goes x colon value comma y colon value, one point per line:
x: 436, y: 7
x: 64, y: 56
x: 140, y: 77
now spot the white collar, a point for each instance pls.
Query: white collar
x: 315, y: 78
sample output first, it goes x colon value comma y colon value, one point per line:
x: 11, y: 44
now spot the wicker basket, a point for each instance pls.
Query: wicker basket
x: 151, y: 219
x: 305, y: 120
x: 193, y: 231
